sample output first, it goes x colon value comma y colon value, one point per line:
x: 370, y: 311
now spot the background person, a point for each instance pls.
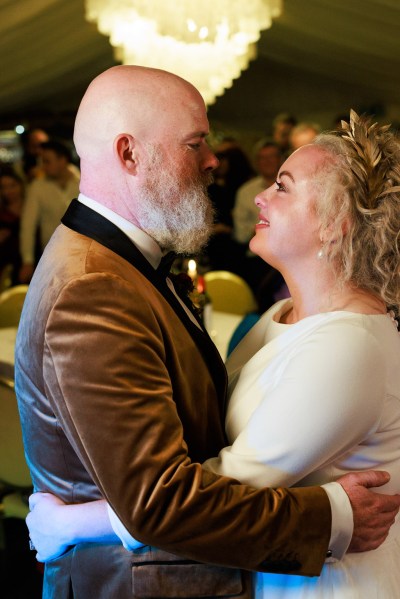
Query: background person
x: 222, y: 251
x: 282, y: 125
x: 31, y: 162
x: 268, y: 159
x: 302, y: 134
x: 46, y: 201
x: 12, y: 195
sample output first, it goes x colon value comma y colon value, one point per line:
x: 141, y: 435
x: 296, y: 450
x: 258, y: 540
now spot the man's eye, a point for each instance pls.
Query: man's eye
x: 194, y: 146
x: 280, y: 186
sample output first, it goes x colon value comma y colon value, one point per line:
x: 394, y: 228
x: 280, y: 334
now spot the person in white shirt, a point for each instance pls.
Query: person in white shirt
x: 46, y: 201
x: 302, y: 134
x: 268, y: 159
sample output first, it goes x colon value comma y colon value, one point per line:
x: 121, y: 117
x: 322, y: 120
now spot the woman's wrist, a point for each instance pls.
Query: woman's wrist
x: 89, y: 522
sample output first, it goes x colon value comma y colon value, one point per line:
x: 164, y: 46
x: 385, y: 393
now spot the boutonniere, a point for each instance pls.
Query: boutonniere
x: 183, y: 284
x: 184, y: 287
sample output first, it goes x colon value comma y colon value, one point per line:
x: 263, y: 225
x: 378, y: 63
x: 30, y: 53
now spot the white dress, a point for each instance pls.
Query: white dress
x: 308, y: 403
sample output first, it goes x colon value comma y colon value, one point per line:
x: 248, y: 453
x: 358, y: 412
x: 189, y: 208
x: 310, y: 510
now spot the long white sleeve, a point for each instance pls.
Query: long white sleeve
x: 306, y: 407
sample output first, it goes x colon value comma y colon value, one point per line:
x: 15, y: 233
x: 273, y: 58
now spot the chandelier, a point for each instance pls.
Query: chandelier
x: 207, y: 42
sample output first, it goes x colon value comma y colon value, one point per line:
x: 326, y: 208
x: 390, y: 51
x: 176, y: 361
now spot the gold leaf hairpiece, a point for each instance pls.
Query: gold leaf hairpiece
x: 368, y: 165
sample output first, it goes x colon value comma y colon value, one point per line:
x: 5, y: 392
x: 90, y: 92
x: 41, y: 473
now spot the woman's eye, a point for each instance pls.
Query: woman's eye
x: 280, y: 186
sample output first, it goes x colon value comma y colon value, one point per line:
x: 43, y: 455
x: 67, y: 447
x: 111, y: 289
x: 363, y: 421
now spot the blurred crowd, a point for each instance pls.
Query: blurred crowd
x: 35, y: 191
x: 238, y: 179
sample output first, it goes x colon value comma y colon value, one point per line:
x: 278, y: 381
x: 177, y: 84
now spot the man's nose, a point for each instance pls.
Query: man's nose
x: 210, y: 161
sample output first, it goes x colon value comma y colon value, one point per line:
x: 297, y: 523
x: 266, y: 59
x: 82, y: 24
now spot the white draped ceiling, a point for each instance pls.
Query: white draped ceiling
x: 319, y: 58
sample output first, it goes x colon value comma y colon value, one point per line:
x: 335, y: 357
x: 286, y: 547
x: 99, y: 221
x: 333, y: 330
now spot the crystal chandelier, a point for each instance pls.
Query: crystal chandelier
x: 207, y: 42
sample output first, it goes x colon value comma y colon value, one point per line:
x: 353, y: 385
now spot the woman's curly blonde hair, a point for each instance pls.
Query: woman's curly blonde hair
x: 359, y: 206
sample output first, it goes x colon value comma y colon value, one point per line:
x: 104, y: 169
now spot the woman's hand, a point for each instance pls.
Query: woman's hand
x: 48, y: 526
x: 54, y: 526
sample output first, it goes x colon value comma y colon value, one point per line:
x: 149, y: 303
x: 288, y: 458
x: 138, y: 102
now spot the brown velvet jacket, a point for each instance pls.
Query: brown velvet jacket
x: 122, y: 396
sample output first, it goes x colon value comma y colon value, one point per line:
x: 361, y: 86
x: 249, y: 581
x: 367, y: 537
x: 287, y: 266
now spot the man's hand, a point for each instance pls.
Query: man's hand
x: 373, y: 513
x: 46, y: 526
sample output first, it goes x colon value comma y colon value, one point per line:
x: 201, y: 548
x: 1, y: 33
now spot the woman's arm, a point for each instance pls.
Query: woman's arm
x: 309, y: 405
x: 54, y: 526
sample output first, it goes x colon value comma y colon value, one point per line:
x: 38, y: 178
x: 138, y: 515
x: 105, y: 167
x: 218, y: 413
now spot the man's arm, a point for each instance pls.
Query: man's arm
x: 54, y: 526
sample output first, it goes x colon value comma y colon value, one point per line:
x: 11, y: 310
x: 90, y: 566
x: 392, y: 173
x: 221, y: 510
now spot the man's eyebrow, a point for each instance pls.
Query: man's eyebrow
x: 201, y: 134
x: 287, y: 173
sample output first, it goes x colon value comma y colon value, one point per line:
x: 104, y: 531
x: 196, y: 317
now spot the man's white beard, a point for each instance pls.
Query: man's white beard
x: 176, y: 213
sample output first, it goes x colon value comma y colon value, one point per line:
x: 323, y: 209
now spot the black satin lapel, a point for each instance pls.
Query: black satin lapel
x: 84, y: 220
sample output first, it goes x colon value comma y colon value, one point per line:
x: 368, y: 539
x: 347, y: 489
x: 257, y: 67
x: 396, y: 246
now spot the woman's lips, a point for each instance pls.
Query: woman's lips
x: 262, y: 223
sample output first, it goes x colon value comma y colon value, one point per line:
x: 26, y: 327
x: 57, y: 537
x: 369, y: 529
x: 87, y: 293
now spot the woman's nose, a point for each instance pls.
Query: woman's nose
x: 261, y: 199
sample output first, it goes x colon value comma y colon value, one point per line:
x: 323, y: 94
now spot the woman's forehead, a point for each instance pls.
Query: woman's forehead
x: 305, y: 159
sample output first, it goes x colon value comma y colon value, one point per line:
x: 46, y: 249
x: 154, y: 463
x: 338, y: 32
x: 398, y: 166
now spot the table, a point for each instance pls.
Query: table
x: 7, y: 345
x: 221, y: 328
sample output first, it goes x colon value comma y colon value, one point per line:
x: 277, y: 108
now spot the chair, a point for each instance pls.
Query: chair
x: 229, y: 292
x: 15, y: 479
x: 5, y: 277
x: 14, y: 472
x: 11, y: 302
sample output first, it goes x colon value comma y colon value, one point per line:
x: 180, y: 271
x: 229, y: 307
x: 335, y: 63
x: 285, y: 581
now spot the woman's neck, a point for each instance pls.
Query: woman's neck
x: 319, y: 294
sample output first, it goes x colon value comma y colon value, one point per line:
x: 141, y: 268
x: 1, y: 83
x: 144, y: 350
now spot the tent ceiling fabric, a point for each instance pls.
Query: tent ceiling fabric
x: 319, y: 57
x: 49, y: 54
x: 354, y: 41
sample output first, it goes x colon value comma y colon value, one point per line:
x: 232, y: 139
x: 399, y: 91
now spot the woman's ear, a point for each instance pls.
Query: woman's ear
x: 345, y: 226
x: 125, y: 149
x: 330, y: 235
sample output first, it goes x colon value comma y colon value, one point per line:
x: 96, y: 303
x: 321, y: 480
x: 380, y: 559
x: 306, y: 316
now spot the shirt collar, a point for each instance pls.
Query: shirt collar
x: 147, y: 246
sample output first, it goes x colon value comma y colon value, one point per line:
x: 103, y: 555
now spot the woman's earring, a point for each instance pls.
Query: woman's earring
x: 321, y: 254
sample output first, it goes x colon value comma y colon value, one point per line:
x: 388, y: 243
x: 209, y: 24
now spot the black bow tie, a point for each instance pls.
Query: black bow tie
x: 165, y: 265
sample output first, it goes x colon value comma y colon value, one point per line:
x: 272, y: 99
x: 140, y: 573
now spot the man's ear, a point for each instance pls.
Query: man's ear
x: 125, y: 149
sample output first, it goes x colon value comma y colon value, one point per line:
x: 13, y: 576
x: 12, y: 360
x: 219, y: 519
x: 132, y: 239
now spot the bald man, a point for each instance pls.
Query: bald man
x: 121, y: 391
